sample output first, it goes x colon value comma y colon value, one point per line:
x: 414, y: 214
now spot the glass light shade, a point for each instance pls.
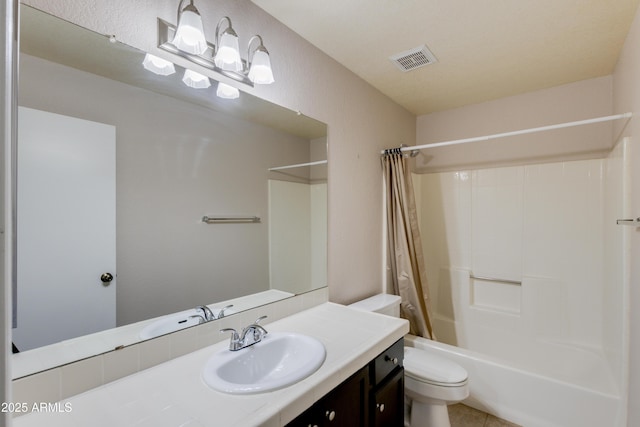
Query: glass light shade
x: 227, y: 92
x: 157, y: 65
x: 195, y: 80
x: 190, y: 34
x: 260, y: 71
x: 228, y: 53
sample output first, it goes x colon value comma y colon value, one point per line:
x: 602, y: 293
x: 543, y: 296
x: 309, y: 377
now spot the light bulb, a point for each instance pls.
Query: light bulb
x: 195, y: 80
x: 190, y: 34
x: 260, y: 71
x: 228, y: 53
x: 226, y: 91
x: 158, y: 65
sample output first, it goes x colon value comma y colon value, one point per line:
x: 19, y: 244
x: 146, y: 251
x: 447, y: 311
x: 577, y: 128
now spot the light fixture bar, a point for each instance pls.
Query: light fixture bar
x: 166, y: 32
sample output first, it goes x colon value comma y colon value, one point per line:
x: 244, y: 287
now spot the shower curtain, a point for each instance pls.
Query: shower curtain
x: 405, y: 249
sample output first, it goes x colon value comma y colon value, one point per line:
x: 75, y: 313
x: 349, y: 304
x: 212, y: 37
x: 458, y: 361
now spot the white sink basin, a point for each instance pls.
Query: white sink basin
x: 279, y: 360
x: 175, y: 322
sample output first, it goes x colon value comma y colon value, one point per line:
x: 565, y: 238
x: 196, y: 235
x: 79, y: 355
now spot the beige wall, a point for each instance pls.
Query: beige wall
x: 566, y: 103
x: 361, y: 120
x: 626, y: 97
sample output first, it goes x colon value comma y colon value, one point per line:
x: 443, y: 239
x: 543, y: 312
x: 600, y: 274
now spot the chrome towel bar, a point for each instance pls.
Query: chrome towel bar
x: 493, y: 279
x: 228, y: 219
x: 631, y: 221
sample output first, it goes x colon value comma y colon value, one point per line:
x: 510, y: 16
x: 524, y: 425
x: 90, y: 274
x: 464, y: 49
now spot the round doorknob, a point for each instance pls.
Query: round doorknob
x: 106, y: 278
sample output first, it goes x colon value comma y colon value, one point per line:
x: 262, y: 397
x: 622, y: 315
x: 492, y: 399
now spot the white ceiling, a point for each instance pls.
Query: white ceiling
x: 486, y: 49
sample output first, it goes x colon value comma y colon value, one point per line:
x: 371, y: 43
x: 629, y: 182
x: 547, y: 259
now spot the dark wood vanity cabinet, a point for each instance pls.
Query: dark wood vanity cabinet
x: 343, y: 406
x: 373, y: 396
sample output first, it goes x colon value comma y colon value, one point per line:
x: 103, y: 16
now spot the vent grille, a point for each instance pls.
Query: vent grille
x: 414, y: 58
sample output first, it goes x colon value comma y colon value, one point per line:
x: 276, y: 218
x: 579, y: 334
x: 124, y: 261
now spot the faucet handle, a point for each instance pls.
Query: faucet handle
x: 201, y: 319
x: 234, y: 333
x: 234, y: 344
x: 221, y: 312
x: 259, y: 319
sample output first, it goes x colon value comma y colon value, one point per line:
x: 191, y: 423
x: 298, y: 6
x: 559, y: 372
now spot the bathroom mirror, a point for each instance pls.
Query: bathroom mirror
x: 173, y: 156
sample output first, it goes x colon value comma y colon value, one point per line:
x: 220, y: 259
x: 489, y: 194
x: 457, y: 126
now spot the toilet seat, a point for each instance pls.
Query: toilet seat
x: 432, y: 379
x: 428, y: 368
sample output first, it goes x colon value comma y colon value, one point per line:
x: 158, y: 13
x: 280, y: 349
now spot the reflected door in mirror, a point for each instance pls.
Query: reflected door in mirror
x: 66, y: 228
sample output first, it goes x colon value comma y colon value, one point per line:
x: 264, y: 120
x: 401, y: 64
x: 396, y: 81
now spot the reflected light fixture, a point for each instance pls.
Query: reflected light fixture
x: 259, y: 65
x: 158, y: 65
x: 227, y: 91
x: 189, y: 36
x: 195, y: 80
x: 227, y: 56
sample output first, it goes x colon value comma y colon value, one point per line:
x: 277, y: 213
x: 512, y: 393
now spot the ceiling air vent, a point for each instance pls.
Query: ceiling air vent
x: 414, y: 58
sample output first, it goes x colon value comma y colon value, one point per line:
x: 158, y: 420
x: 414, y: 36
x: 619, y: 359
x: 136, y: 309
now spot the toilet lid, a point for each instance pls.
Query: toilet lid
x: 426, y: 367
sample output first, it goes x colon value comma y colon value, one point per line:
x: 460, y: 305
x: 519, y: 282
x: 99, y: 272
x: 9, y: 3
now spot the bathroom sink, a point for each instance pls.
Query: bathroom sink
x: 175, y: 322
x: 279, y: 360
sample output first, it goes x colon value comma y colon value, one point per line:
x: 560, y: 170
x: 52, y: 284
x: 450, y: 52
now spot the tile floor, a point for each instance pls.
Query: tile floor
x: 465, y: 416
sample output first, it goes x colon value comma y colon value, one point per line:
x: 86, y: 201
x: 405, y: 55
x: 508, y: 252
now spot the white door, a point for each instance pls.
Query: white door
x: 66, y: 228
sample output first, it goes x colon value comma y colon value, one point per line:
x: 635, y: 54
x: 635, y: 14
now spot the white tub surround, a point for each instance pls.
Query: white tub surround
x: 173, y: 394
x: 527, y: 267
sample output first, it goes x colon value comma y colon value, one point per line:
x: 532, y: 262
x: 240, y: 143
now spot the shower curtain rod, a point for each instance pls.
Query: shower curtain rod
x: 517, y: 132
x: 299, y: 165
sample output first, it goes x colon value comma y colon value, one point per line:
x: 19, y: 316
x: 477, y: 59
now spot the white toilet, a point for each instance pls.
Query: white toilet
x: 431, y: 382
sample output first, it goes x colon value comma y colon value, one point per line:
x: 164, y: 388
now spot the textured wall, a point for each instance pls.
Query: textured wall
x: 575, y: 101
x: 361, y: 120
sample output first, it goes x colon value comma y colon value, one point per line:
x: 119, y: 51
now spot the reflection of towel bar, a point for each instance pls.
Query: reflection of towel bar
x: 634, y: 222
x: 228, y: 219
x: 493, y: 279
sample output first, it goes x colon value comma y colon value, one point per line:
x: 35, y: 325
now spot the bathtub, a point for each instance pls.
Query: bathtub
x: 571, y: 388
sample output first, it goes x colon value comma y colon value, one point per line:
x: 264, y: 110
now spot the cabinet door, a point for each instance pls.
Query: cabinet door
x: 386, y: 407
x: 344, y: 406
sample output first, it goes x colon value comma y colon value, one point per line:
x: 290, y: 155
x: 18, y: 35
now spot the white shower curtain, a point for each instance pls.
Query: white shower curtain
x: 405, y: 248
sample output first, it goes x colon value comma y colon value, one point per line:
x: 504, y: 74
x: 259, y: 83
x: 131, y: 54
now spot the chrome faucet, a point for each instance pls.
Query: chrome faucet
x: 208, y: 314
x: 258, y: 332
x: 249, y: 336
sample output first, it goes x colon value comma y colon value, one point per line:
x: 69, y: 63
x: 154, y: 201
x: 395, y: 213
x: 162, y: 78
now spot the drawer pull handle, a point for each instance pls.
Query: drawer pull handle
x: 393, y: 360
x: 380, y: 407
x: 331, y: 415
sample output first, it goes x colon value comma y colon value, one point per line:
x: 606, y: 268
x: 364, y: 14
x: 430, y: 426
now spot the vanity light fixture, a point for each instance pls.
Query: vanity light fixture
x: 195, y: 80
x: 260, y: 64
x: 227, y: 56
x: 158, y: 65
x: 189, y: 36
x: 187, y: 40
x: 227, y: 91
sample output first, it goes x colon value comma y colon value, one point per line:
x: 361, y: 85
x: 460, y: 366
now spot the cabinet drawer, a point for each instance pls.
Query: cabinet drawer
x: 387, y: 361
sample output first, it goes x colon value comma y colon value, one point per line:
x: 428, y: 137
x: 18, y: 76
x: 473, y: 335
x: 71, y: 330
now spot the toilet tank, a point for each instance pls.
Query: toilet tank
x: 381, y: 303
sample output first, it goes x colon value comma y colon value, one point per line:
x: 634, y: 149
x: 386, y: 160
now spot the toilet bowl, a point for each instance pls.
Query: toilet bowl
x: 431, y: 382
